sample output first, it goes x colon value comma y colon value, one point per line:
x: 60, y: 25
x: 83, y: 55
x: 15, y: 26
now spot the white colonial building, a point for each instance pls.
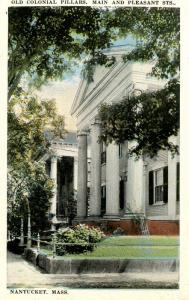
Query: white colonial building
x: 119, y: 185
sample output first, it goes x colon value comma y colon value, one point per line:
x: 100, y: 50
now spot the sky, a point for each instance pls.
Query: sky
x: 63, y: 92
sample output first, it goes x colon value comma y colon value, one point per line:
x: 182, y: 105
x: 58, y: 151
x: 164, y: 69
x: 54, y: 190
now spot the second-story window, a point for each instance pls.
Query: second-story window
x: 158, y: 186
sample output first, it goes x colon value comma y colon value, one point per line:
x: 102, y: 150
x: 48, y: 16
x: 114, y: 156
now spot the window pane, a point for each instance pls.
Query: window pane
x: 159, y: 193
x: 159, y: 177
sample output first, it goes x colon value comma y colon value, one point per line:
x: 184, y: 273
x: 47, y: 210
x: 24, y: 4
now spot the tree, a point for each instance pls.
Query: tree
x: 29, y: 121
x: 32, y: 123
x: 158, y: 35
x: 149, y: 119
x: 44, y: 41
x: 50, y: 39
x: 28, y: 191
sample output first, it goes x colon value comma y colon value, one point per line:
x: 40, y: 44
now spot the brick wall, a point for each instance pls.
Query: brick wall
x: 156, y: 227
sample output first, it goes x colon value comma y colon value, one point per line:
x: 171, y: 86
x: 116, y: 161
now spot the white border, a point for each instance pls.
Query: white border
x: 183, y: 292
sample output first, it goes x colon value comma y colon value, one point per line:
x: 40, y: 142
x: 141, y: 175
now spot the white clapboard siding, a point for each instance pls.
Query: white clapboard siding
x: 157, y: 210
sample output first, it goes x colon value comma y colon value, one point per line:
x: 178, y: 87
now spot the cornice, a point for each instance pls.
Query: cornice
x: 82, y: 132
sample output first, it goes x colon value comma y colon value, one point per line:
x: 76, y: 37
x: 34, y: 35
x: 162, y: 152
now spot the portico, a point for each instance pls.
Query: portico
x: 62, y: 167
x: 112, y: 175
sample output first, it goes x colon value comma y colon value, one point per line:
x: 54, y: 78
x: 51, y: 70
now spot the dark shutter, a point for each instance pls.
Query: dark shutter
x: 121, y: 194
x: 165, y: 184
x: 103, y: 200
x: 178, y: 181
x: 151, y: 187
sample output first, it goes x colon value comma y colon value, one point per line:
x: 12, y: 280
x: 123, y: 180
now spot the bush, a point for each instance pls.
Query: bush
x: 14, y: 246
x: 81, y: 235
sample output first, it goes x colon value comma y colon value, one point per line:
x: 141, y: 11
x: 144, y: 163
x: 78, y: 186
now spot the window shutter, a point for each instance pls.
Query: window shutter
x: 121, y: 194
x: 151, y: 187
x: 178, y: 181
x: 165, y: 184
x: 103, y: 199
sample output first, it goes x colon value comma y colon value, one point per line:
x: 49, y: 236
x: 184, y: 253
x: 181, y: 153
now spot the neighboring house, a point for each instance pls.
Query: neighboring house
x: 121, y: 186
x: 61, y: 165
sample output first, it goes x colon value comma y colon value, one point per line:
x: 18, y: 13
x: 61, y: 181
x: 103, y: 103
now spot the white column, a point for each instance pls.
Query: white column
x: 95, y: 182
x: 75, y: 175
x: 145, y: 187
x: 135, y: 184
x: 82, y: 175
x: 172, y: 183
x: 112, y: 181
x: 53, y: 176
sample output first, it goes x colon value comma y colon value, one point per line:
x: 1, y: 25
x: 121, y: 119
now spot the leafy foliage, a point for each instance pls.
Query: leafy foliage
x: 151, y: 118
x: 28, y: 185
x: 28, y: 120
x: 148, y: 119
x: 80, y: 235
x: 33, y: 189
x: 72, y: 206
x: 51, y: 40
x: 158, y: 34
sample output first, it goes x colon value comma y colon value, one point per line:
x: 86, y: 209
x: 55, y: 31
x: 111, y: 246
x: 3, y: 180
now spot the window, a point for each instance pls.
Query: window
x: 158, y: 174
x: 158, y: 186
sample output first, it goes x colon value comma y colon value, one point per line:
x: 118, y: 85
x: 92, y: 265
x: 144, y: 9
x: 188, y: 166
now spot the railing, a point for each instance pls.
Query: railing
x: 53, y: 244
x: 147, y: 245
x: 38, y: 241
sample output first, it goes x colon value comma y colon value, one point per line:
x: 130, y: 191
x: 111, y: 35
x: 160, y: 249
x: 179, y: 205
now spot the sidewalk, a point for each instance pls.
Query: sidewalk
x: 24, y: 275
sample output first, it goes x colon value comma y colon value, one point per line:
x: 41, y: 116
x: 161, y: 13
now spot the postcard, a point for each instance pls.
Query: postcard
x: 94, y: 149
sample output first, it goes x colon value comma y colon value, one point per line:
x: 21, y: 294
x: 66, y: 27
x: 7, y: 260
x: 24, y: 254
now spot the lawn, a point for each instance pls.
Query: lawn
x: 133, y: 247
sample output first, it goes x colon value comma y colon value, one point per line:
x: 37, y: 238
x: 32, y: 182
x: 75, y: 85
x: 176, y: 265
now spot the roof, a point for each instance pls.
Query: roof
x: 86, y: 87
x: 70, y: 138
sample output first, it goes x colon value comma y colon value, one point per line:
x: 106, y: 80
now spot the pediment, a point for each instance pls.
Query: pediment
x: 111, y: 84
x: 101, y: 76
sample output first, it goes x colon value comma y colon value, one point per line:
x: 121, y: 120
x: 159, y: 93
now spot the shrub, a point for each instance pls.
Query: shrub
x: 81, y: 236
x: 14, y: 246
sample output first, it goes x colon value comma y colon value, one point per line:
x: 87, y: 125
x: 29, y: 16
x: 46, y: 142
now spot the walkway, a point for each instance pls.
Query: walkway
x: 25, y: 275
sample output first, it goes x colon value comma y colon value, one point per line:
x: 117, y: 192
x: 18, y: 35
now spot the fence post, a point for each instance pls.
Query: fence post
x: 29, y: 230
x: 22, y: 232
x: 38, y: 242
x: 54, y: 245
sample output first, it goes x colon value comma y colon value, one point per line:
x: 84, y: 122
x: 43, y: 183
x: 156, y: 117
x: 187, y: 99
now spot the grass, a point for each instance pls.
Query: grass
x: 141, y: 240
x: 131, y: 247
